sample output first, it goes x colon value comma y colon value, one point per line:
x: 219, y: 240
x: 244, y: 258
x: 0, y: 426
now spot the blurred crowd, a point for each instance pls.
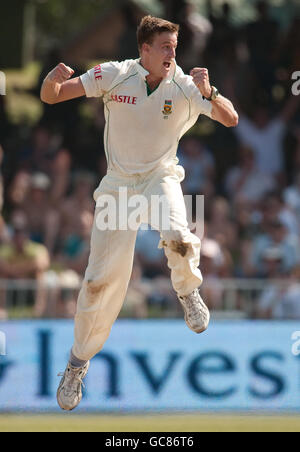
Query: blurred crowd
x: 250, y: 177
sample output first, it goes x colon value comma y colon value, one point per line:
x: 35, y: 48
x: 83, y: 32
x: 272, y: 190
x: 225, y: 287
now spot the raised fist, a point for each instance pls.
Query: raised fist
x: 60, y: 73
x: 201, y: 80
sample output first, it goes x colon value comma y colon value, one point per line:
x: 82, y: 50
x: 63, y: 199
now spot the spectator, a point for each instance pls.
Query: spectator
x: 45, y: 155
x: 145, y: 293
x: 199, y: 165
x: 265, y: 136
x: 24, y: 259
x: 212, y: 261
x: 221, y: 51
x: 150, y: 256
x: 37, y: 156
x: 194, y: 31
x: 64, y: 116
x: 295, y: 170
x: 220, y: 222
x: 279, y: 238
x: 292, y: 198
x: 280, y: 300
x: 75, y: 248
x: 43, y: 219
x: 19, y: 189
x: 77, y: 204
x: 290, y: 51
x: 274, y: 209
x: 139, y: 291
x: 246, y: 183
x: 262, y: 38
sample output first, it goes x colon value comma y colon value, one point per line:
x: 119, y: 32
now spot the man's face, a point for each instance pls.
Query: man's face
x: 159, y: 56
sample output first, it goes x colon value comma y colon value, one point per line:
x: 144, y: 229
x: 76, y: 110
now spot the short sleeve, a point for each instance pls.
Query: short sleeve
x: 97, y: 81
x: 200, y: 106
x: 41, y: 258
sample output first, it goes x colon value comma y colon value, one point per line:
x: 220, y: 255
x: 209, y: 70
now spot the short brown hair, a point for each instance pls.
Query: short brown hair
x: 150, y: 26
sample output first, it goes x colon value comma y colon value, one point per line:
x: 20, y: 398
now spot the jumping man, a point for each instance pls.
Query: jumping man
x: 149, y: 105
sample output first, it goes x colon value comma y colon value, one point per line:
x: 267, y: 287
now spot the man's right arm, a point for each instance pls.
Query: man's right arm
x: 59, y: 87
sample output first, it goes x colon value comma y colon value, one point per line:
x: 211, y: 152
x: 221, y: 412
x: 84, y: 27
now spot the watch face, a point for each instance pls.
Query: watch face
x: 215, y: 93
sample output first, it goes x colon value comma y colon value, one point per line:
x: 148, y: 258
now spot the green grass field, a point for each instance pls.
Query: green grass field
x: 146, y: 423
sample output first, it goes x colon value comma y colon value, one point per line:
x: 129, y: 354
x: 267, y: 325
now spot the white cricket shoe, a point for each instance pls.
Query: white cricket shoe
x: 196, y: 313
x: 69, y: 393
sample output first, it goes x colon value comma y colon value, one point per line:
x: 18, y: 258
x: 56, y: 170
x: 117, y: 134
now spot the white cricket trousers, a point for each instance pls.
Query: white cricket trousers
x: 112, y: 253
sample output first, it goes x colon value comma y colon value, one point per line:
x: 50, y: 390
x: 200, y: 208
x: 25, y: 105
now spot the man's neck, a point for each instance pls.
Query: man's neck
x: 152, y: 81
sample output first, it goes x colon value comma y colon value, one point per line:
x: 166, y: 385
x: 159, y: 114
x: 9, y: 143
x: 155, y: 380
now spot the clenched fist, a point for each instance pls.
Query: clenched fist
x: 201, y: 80
x: 60, y: 74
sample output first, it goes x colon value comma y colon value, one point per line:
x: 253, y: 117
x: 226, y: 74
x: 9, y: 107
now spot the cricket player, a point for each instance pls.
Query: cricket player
x: 149, y: 105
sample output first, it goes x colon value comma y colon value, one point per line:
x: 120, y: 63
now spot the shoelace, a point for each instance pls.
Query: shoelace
x: 72, y: 380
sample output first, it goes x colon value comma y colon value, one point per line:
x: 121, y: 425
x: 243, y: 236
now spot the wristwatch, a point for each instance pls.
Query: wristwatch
x: 214, y: 94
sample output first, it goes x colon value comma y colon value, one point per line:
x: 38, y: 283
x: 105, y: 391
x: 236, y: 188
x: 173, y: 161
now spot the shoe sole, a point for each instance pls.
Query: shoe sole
x: 80, y: 395
x: 64, y: 408
x: 197, y: 331
x: 200, y: 330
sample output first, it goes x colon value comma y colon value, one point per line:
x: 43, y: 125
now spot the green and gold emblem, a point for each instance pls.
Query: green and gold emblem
x: 168, y: 108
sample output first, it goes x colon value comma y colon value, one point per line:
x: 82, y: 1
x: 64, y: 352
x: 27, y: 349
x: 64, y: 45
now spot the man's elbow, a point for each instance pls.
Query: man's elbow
x: 230, y: 119
x: 234, y: 120
x: 47, y: 100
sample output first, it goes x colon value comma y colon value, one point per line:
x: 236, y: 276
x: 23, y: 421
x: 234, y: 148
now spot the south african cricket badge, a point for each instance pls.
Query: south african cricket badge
x: 168, y: 109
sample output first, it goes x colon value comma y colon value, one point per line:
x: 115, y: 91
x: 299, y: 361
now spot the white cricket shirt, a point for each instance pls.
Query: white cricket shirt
x: 142, y: 131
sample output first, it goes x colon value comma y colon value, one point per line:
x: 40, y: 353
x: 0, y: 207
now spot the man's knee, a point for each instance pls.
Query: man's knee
x: 181, y: 243
x: 92, y: 293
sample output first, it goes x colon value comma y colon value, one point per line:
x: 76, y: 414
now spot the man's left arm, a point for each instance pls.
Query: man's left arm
x: 223, y: 110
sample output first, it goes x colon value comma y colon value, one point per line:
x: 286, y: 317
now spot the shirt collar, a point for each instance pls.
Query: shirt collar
x: 143, y: 72
x: 140, y: 69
